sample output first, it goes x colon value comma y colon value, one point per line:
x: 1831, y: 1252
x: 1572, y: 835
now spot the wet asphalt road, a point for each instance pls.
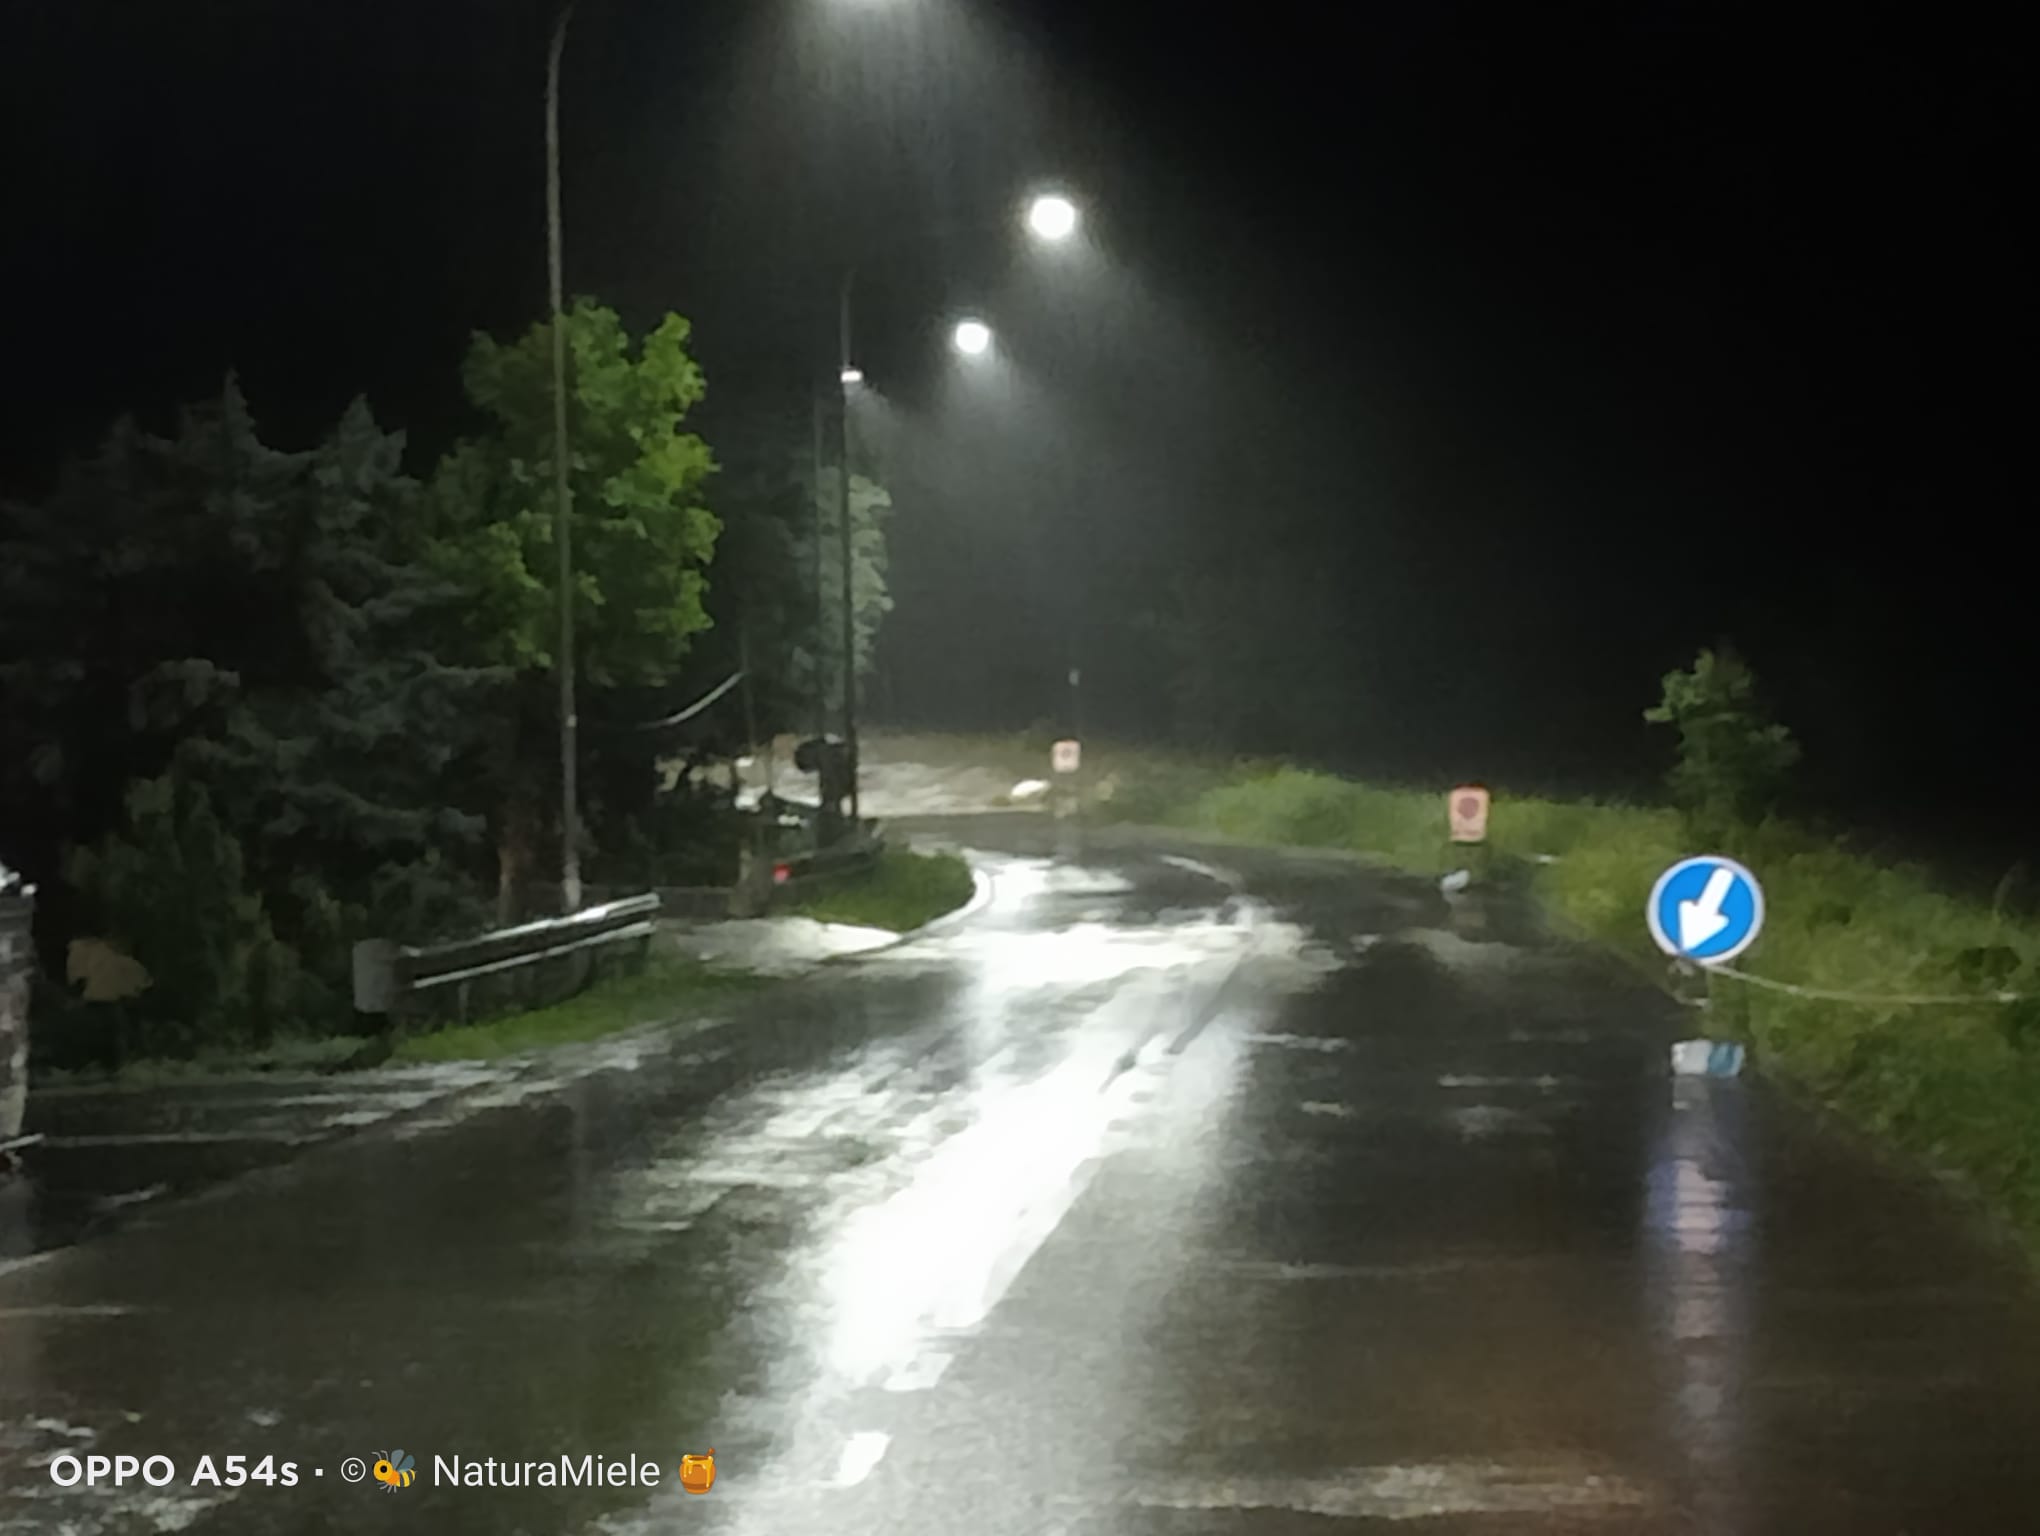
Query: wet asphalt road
x: 1178, y: 1192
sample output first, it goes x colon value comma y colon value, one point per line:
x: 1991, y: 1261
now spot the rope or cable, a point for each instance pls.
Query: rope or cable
x: 1875, y: 1000
x: 697, y: 706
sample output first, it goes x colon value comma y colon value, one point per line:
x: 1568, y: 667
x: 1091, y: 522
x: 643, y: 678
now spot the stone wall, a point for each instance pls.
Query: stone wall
x: 17, y: 964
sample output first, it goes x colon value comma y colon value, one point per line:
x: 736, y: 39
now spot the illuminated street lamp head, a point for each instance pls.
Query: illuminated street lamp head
x: 853, y: 375
x: 1052, y: 217
x: 972, y: 338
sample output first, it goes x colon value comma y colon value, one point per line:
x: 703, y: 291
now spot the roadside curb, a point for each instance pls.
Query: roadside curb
x: 981, y: 897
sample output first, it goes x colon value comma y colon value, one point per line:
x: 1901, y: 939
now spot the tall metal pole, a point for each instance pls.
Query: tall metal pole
x: 821, y: 640
x: 843, y: 535
x: 570, y: 853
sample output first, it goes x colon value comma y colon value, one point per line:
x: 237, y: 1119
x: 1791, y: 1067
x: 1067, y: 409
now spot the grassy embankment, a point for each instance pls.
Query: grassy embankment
x: 666, y: 988
x: 903, y: 891
x: 1957, y: 1087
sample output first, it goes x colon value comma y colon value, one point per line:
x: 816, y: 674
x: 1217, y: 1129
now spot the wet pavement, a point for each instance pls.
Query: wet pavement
x: 1180, y: 1191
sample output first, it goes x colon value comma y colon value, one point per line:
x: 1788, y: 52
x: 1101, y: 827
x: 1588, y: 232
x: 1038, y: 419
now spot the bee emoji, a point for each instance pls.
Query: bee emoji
x: 395, y: 1470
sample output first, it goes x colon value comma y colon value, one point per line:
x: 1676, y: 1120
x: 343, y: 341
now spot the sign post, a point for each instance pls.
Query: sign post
x: 1707, y: 910
x: 1065, y: 758
x: 1466, y: 811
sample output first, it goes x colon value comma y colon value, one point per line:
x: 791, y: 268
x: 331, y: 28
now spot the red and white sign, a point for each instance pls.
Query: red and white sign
x: 1466, y: 808
x: 1065, y: 756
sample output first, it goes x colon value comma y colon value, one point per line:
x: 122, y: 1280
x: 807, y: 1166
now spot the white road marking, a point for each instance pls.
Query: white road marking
x: 189, y: 1139
x: 861, y: 1454
x: 1224, y: 877
x: 1424, y: 1491
x: 1545, y: 1083
x: 83, y: 1309
x: 1302, y: 1042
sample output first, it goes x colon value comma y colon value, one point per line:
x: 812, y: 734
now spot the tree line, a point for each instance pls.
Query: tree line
x: 260, y: 702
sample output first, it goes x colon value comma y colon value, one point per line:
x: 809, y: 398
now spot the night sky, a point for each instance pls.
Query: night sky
x: 1505, y: 355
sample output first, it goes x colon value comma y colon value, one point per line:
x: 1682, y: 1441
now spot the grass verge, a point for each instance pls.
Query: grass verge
x: 666, y: 988
x: 900, y: 893
x: 288, y: 1057
x: 1956, y: 1087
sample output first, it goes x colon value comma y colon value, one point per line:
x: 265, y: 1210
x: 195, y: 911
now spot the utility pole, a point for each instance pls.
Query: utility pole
x: 821, y: 588
x: 570, y: 834
x: 843, y: 534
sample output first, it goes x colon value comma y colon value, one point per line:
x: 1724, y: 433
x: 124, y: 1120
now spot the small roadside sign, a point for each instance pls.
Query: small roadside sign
x: 1066, y: 755
x: 1466, y: 809
x: 1707, y: 909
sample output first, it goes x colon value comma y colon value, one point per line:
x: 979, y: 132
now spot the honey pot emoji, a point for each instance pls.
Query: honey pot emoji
x: 697, y: 1473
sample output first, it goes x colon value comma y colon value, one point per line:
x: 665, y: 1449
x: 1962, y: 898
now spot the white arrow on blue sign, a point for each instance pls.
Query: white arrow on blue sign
x: 1707, y: 909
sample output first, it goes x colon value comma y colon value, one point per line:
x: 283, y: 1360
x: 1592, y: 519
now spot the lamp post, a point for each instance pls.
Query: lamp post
x: 1051, y: 218
x: 570, y: 852
x: 846, y: 376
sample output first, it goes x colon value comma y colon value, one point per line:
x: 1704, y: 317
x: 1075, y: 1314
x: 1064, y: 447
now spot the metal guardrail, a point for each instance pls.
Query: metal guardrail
x: 390, y: 978
x: 823, y: 871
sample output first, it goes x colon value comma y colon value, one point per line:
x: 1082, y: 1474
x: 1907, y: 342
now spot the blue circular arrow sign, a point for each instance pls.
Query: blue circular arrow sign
x: 1707, y: 909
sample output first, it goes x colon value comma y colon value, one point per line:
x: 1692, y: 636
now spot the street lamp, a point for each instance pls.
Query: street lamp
x: 973, y: 338
x: 1052, y: 217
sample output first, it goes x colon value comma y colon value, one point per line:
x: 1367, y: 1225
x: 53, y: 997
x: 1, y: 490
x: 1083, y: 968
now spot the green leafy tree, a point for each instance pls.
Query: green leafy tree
x: 642, y: 536
x: 870, y: 564
x: 763, y: 600
x: 1732, y: 757
x: 779, y: 579
x: 642, y: 541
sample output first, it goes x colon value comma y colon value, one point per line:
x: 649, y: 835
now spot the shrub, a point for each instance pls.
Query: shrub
x: 692, y: 835
x: 171, y: 887
x: 1732, y: 758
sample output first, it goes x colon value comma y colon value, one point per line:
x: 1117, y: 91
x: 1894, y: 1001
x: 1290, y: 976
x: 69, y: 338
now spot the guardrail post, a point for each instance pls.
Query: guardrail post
x: 17, y: 966
x: 375, y: 976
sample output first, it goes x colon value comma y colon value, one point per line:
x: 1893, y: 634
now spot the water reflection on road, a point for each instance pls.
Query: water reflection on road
x: 1178, y: 1190
x: 1701, y: 1251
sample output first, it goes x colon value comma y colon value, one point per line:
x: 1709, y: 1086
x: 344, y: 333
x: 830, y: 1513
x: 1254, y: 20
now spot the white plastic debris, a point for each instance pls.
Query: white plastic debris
x: 1456, y: 882
x: 1707, y: 1058
x: 1027, y: 790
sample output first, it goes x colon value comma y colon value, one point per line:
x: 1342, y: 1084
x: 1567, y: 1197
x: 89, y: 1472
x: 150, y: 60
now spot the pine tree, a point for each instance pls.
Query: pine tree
x: 363, y: 765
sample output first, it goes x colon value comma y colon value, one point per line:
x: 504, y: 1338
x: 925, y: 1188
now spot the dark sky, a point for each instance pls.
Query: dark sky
x: 1493, y: 358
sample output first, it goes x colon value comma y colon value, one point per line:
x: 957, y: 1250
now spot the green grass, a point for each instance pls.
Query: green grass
x: 1956, y: 1087
x: 903, y: 891
x: 666, y: 989
x: 330, y: 1053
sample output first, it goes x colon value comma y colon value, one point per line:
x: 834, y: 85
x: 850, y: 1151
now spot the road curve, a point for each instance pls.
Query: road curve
x: 1178, y: 1191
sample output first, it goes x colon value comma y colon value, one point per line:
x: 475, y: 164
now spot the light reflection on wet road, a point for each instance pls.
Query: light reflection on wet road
x: 1179, y: 1191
